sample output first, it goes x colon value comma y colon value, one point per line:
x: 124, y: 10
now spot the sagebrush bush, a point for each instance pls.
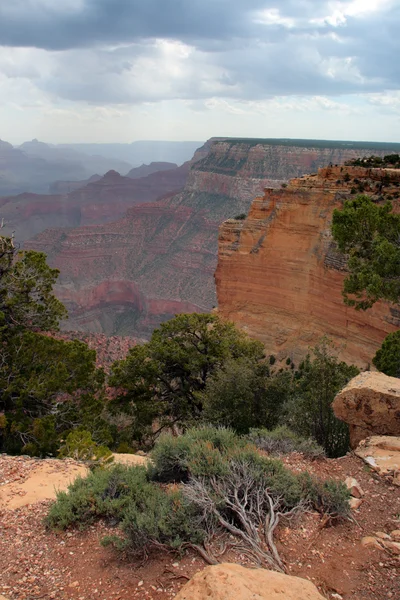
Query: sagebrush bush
x: 222, y: 485
x: 282, y: 440
x: 198, y: 452
x: 146, y: 513
x: 102, y: 494
x: 328, y: 497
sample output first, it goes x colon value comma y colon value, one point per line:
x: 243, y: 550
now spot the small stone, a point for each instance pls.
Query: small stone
x: 140, y: 583
x: 371, y: 542
x: 74, y: 584
x: 354, y: 487
x: 393, y: 547
x: 381, y: 535
x: 395, y: 535
x: 355, y: 503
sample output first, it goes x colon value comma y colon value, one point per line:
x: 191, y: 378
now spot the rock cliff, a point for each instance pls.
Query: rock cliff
x: 124, y: 277
x: 280, y: 278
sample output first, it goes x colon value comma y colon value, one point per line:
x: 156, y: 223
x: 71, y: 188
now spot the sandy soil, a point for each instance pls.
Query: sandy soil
x: 37, y: 480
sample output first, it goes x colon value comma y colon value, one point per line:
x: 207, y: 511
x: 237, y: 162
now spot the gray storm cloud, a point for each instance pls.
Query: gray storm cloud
x: 109, y: 51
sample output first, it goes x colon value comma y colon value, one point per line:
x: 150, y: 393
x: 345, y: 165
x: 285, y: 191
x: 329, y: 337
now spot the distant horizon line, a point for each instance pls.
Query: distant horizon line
x: 275, y: 140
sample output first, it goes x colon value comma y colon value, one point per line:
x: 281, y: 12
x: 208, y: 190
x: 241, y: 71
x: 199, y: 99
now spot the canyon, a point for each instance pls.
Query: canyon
x: 125, y: 276
x: 280, y: 278
x: 101, y: 200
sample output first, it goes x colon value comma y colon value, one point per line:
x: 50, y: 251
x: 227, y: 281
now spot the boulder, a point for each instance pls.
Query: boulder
x: 227, y: 581
x: 382, y: 454
x: 370, y: 404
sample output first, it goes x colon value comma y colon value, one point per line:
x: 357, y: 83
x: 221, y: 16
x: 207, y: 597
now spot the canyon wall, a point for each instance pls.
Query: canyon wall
x: 101, y: 200
x: 280, y: 278
x: 125, y: 277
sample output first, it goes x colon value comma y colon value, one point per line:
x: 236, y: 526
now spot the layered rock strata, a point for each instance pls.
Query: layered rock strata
x: 280, y: 278
x: 101, y: 200
x: 125, y: 277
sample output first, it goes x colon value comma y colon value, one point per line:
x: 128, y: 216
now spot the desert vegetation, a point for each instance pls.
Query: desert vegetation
x: 208, y: 484
x: 369, y: 235
x: 388, y: 161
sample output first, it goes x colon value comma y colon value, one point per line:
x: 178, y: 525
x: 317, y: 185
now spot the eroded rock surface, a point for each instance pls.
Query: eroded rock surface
x: 382, y: 454
x: 370, y: 404
x: 227, y: 581
x: 280, y: 277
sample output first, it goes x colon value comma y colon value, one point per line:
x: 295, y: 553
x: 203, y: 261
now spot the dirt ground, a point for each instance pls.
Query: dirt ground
x: 38, y: 564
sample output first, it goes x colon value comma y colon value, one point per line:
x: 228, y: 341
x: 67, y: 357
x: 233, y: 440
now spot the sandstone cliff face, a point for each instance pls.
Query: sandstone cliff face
x: 125, y: 277
x: 280, y: 279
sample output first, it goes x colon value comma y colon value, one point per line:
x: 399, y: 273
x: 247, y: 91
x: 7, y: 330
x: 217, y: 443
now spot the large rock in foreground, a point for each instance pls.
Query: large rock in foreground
x: 227, y: 581
x: 370, y: 404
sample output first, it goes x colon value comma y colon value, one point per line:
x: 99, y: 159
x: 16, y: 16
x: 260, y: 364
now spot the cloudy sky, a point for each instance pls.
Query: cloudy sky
x: 123, y: 70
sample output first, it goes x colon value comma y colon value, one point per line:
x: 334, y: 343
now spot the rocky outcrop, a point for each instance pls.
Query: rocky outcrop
x: 126, y: 277
x: 370, y: 404
x: 382, y: 454
x: 227, y: 581
x: 280, y: 278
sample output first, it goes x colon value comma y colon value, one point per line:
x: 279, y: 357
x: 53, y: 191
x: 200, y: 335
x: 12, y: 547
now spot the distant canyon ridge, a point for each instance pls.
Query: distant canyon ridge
x: 136, y: 256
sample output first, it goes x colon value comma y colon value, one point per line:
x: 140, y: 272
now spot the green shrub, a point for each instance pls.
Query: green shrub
x: 147, y: 515
x: 80, y: 446
x: 159, y: 518
x: 198, y: 452
x: 242, y: 395
x: 387, y: 358
x: 229, y: 488
x: 102, y: 494
x: 240, y: 217
x: 170, y: 458
x: 328, y: 497
x: 309, y: 412
x: 283, y: 441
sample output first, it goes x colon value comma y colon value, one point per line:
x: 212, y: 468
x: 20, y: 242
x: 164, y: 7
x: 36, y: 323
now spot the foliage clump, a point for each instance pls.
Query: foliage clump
x: 47, y: 385
x: 387, y: 358
x: 79, y: 445
x: 282, y: 440
x: 368, y: 233
x: 222, y: 486
x: 390, y: 160
x: 163, y: 379
x: 309, y: 411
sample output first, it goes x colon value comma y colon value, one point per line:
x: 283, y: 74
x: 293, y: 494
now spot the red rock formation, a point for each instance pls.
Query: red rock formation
x: 98, y: 202
x: 162, y: 255
x: 280, y: 279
